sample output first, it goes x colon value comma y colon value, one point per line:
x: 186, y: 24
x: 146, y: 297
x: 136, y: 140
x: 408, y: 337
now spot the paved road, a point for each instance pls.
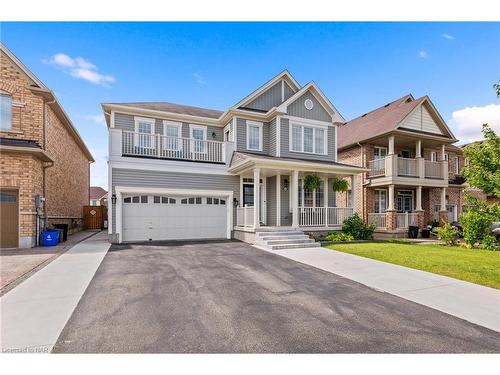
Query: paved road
x: 224, y: 297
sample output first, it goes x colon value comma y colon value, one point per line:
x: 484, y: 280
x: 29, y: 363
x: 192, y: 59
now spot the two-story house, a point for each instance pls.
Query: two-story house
x: 44, y: 163
x: 181, y: 172
x: 414, y: 171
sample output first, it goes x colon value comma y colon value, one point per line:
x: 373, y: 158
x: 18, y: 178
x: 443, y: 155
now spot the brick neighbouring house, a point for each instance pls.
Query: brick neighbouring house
x: 42, y: 154
x: 98, y: 196
x: 415, y: 170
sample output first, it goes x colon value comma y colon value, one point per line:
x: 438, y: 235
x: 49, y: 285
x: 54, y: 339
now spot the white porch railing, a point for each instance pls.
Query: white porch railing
x: 160, y: 146
x: 323, y: 216
x: 377, y: 167
x: 244, y: 216
x: 407, y: 167
x: 378, y: 219
x: 404, y: 220
x: 433, y: 169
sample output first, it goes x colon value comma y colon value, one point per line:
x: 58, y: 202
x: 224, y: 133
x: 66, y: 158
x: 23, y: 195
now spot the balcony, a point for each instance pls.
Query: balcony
x: 163, y: 147
x: 394, y: 166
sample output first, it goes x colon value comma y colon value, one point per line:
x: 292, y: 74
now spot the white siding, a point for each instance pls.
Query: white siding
x: 421, y: 120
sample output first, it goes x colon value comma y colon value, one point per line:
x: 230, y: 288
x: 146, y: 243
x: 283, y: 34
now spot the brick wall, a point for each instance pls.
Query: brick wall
x: 353, y: 156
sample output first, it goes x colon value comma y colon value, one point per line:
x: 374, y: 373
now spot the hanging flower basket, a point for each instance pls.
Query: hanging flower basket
x: 311, y: 182
x: 340, y: 185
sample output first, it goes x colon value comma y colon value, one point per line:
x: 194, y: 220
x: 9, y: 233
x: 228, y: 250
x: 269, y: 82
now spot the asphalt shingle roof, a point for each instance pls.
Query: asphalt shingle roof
x: 174, y: 108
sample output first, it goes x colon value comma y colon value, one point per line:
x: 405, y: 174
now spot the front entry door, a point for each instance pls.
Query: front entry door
x: 405, y: 201
x: 248, y: 200
x: 9, y: 217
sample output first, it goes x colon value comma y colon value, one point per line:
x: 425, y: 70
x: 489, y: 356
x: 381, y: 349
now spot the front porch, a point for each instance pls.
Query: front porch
x: 279, y: 201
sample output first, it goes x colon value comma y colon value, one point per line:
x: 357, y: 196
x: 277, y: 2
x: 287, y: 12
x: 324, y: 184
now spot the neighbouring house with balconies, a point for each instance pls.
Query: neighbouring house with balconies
x: 178, y: 172
x: 414, y: 171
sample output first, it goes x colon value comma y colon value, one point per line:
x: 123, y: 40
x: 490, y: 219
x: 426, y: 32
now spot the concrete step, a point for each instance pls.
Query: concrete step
x: 279, y: 233
x: 294, y: 236
x: 289, y: 241
x: 294, y: 246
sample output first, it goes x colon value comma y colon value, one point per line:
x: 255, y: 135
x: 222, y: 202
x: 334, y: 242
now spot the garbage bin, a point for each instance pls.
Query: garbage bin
x: 412, y: 231
x: 64, y: 228
x: 49, y: 238
x: 60, y: 233
x: 426, y: 233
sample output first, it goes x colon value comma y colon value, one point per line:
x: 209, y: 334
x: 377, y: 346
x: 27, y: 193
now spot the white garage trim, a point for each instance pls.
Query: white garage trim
x: 120, y: 190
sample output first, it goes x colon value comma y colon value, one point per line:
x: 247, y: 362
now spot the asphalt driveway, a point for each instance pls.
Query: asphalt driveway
x: 226, y: 297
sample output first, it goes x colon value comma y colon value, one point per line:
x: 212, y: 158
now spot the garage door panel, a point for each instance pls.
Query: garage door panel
x: 156, y: 221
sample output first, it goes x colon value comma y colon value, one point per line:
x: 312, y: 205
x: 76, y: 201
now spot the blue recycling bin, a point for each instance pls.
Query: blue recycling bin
x: 50, y: 238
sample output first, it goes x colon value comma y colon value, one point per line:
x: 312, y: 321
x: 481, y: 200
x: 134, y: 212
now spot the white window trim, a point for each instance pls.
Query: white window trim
x: 260, y: 126
x: 434, y: 156
x: 193, y: 127
x: 378, y: 203
x: 176, y: 124
x: 228, y: 129
x: 6, y: 94
x: 457, y: 165
x: 380, y: 148
x: 148, y: 120
x: 308, y: 125
x: 325, y: 196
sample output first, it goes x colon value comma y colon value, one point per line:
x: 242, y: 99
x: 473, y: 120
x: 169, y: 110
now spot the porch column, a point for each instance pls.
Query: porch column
x: 278, y: 200
x: 419, y: 159
x: 295, y: 200
x: 390, y: 205
x: 444, y: 166
x: 418, y: 149
x: 443, y: 199
x: 391, y: 145
x: 390, y: 213
x: 256, y: 197
x: 418, y: 210
x: 353, y: 191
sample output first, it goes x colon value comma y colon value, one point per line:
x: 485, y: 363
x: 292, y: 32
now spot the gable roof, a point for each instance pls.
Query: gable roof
x: 39, y: 88
x: 383, y: 120
x: 97, y: 192
x: 173, y: 108
x: 285, y: 74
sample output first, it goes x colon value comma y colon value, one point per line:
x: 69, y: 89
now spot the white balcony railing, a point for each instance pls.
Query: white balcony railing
x: 376, y: 167
x: 404, y: 220
x: 323, y: 216
x: 378, y: 219
x: 407, y: 167
x: 244, y: 216
x: 160, y: 146
x: 433, y: 169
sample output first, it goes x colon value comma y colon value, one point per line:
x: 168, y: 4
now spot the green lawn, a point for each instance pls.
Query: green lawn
x: 477, y: 266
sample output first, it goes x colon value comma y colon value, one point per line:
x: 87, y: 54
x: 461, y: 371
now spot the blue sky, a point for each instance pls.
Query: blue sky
x: 359, y: 66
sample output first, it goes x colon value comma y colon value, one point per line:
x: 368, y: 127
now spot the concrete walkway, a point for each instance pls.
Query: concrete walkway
x: 34, y: 313
x: 474, y: 303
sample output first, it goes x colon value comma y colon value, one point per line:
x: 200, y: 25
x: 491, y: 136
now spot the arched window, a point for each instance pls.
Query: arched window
x: 5, y: 111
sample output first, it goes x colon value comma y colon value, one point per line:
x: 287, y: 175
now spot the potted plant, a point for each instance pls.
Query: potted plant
x: 339, y: 185
x: 311, y: 182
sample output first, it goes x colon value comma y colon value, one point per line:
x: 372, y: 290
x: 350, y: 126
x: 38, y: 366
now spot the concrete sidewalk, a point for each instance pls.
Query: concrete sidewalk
x: 34, y: 313
x: 474, y: 303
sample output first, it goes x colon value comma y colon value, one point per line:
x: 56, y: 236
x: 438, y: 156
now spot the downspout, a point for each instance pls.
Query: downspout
x: 45, y: 166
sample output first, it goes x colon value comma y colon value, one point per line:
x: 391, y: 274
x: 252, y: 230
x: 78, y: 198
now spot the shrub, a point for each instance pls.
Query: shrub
x: 357, y: 228
x: 490, y: 243
x: 337, y: 236
x: 476, y: 226
x: 447, y: 234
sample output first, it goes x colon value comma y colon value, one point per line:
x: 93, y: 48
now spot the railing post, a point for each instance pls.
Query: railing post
x: 158, y: 145
x: 326, y: 215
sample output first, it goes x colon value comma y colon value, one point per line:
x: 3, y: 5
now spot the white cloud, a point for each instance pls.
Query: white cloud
x: 466, y: 123
x: 423, y: 54
x: 199, y: 79
x: 98, y: 119
x: 448, y: 36
x: 99, y: 168
x: 81, y: 68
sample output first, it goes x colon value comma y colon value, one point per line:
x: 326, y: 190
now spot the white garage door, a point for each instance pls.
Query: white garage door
x: 157, y: 217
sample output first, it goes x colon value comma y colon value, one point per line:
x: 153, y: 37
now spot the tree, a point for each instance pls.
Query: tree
x: 483, y: 168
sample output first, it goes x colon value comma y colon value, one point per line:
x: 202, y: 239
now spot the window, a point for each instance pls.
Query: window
x: 379, y: 152
x: 247, y: 195
x: 145, y: 127
x: 93, y: 202
x: 198, y: 135
x: 254, y: 136
x: 136, y: 199
x: 457, y: 166
x: 6, y: 197
x: 163, y: 200
x: 172, y: 131
x: 433, y: 156
x: 191, y: 200
x: 228, y: 132
x: 5, y: 111
x: 311, y: 198
x: 348, y: 198
x: 309, y: 139
x: 380, y: 201
x: 405, y: 154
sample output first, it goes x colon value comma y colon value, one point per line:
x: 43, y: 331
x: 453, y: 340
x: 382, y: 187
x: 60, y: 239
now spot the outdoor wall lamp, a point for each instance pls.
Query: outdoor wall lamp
x: 235, y: 202
x: 285, y: 185
x: 113, y: 199
x: 214, y: 135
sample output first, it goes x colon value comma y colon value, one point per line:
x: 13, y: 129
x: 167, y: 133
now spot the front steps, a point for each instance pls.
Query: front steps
x: 280, y: 239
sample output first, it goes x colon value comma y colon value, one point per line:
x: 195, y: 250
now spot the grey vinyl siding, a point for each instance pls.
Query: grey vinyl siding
x: 241, y: 137
x: 285, y: 144
x: 272, y: 137
x: 332, y: 196
x: 271, y: 200
x: 286, y: 216
x: 172, y: 180
x: 126, y: 122
x: 268, y: 99
x: 288, y: 91
x: 298, y: 109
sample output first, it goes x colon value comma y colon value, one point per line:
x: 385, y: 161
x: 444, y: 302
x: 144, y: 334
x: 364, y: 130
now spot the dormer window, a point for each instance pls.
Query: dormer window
x: 5, y: 111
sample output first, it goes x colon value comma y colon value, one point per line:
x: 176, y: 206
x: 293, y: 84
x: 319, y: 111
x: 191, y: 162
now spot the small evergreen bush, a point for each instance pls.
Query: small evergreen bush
x: 357, y: 228
x: 447, y: 234
x: 337, y: 236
